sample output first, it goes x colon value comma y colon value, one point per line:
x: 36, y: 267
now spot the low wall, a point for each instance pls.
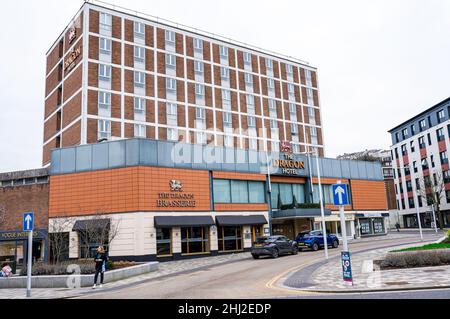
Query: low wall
x: 77, y: 281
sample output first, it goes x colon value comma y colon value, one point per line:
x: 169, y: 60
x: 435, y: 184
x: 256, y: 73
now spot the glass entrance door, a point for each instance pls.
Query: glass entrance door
x: 194, y: 240
x: 230, y: 239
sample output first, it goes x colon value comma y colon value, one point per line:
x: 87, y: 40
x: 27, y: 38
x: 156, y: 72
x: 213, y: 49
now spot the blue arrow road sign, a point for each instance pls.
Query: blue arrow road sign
x: 28, y: 221
x: 340, y: 194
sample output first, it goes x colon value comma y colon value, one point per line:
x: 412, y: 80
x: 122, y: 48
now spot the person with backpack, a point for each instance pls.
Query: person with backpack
x: 100, y: 266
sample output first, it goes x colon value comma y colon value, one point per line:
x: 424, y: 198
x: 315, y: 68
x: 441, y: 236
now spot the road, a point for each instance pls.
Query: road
x: 244, y: 279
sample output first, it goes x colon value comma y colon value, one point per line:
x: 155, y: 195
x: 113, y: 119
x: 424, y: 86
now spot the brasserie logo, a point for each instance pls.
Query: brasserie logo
x: 176, y: 197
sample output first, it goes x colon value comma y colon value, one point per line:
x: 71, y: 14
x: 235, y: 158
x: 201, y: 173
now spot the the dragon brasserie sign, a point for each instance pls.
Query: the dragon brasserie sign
x: 175, y: 198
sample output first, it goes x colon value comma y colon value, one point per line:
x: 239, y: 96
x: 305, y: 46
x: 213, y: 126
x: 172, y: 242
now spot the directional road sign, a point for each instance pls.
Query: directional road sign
x: 340, y: 194
x: 28, y: 221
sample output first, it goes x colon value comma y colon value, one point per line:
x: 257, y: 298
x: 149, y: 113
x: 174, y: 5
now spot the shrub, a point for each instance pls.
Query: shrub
x: 416, y: 259
x: 41, y: 269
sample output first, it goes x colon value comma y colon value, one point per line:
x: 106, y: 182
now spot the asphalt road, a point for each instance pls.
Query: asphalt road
x: 252, y: 279
x: 417, y: 294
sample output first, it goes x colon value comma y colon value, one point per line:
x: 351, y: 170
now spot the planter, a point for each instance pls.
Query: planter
x: 415, y: 259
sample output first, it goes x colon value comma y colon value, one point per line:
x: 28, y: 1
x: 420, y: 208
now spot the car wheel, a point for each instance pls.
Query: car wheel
x: 275, y: 254
x: 255, y: 256
x: 335, y: 244
x: 294, y: 250
x: 315, y: 246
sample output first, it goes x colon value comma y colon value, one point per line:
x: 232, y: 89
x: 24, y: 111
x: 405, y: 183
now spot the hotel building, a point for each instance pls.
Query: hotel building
x: 420, y: 152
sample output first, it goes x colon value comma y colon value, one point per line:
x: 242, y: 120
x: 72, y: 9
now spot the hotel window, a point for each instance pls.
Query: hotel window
x: 194, y: 240
x: 269, y: 63
x: 104, y: 129
x: 170, y: 37
x: 139, y: 130
x: 296, y: 149
x: 292, y: 108
x: 440, y: 116
x: 251, y: 121
x: 163, y: 242
x: 270, y: 84
x: 227, y: 118
x: 229, y: 141
x: 105, y: 21
x: 198, y: 67
x: 221, y: 191
x: 272, y: 105
x: 291, y: 89
x: 139, y: 79
x: 289, y: 69
x: 104, y: 100
x: 226, y: 95
x: 422, y: 125
x: 199, y: 91
x: 172, y: 109
x: 105, y: 46
x: 422, y: 142
x: 248, y: 79
x: 444, y: 157
x: 223, y: 51
x: 314, y: 135
x: 440, y: 134
x: 294, y: 129
x: 139, y: 105
x: 200, y: 113
x: 201, y: 138
x: 139, y: 54
x: 104, y: 72
x: 310, y: 94
x: 311, y: 113
x: 139, y: 30
x: 247, y: 58
x: 171, y: 85
x: 238, y: 192
x: 308, y: 76
x: 224, y: 73
x: 253, y: 144
x: 172, y: 134
x: 198, y: 44
x: 250, y: 99
x: 171, y: 61
x: 273, y: 124
x: 275, y: 146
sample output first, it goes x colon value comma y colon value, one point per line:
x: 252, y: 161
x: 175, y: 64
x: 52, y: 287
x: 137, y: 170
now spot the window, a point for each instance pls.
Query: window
x: 270, y: 84
x: 198, y: 67
x: 296, y: 149
x: 227, y: 118
x: 105, y: 46
x: 310, y: 94
x: 415, y: 167
x: 170, y: 37
x: 139, y: 105
x: 408, y: 186
x: 200, y: 113
x: 229, y: 141
x: 444, y: 157
x: 171, y: 84
x: 407, y: 171
x: 164, y: 241
x: 239, y: 192
x: 397, y: 138
x: 291, y: 89
x: 198, y: 44
x: 223, y: 51
x: 104, y: 99
x: 139, y: 54
x: 311, y: 113
x: 273, y: 124
x: 194, y: 240
x: 224, y: 73
x: 199, y: 90
x: 432, y: 161
x: 404, y: 150
x: 411, y: 145
x: 201, y: 138
x: 289, y: 69
x: 411, y: 202
x: 139, y: 131
x: 139, y: 79
x: 139, y: 30
x: 253, y: 144
x: 226, y: 95
x: 251, y: 121
x: 313, y: 131
x: 429, y: 121
x: 172, y: 109
x: 429, y: 138
x: 172, y: 134
x: 440, y: 134
x: 269, y: 63
x: 104, y: 129
x: 272, y: 105
x: 275, y: 147
x: 105, y: 21
x: 247, y: 58
x: 250, y: 99
x: 248, y: 79
x: 294, y: 128
x: 405, y: 133
x: 446, y: 177
x: 104, y: 72
x: 422, y: 125
x: 171, y: 61
x: 440, y: 116
x: 308, y: 76
x: 396, y: 152
x: 292, y: 108
x: 413, y: 130
x: 424, y: 164
x: 422, y: 142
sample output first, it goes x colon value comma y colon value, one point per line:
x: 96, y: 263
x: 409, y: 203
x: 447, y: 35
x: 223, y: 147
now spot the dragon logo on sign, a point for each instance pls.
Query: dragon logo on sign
x: 176, y: 186
x: 286, y: 147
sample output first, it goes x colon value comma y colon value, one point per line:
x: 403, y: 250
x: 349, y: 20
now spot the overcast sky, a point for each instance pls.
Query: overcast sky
x: 379, y: 62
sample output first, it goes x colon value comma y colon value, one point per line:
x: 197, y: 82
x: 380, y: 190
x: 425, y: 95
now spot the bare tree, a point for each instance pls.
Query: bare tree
x: 2, y: 214
x: 432, y: 190
x: 59, y: 239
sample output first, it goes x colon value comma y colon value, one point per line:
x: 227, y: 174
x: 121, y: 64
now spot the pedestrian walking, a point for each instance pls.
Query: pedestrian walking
x: 100, y: 266
x: 397, y: 226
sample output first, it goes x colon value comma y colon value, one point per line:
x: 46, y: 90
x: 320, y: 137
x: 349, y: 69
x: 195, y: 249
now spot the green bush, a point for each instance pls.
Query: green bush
x: 413, y: 259
x: 41, y: 269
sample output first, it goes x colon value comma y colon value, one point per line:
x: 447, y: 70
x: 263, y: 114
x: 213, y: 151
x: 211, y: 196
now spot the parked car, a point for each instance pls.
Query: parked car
x: 314, y: 240
x: 273, y: 246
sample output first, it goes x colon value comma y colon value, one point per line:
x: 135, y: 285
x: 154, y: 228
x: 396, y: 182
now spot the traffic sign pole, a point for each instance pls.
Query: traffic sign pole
x: 30, y: 262
x: 322, y: 210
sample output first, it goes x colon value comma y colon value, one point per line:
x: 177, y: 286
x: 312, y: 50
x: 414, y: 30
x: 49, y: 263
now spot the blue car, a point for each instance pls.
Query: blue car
x: 314, y: 240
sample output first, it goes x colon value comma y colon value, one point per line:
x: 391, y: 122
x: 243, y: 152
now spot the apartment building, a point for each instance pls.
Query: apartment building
x: 120, y: 74
x: 420, y: 153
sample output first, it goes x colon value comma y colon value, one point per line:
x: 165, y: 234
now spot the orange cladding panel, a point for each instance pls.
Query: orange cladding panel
x: 368, y: 195
x: 125, y: 190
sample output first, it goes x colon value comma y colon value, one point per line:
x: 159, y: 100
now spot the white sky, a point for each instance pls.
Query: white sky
x: 380, y: 62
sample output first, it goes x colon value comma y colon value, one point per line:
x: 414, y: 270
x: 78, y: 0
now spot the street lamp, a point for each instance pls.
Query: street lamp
x: 416, y: 204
